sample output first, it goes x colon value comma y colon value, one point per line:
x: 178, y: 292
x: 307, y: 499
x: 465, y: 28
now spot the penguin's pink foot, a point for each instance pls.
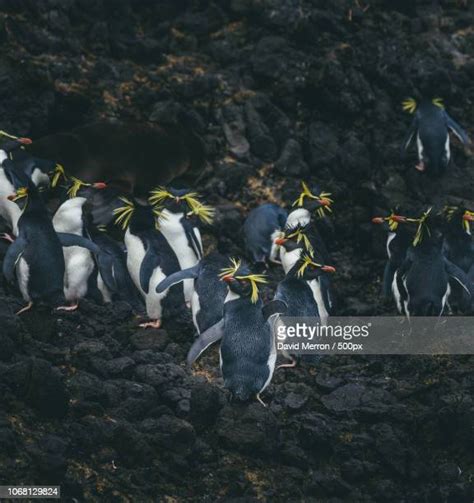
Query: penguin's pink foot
x: 7, y: 237
x: 420, y: 166
x: 290, y: 365
x: 72, y: 307
x: 24, y: 309
x: 151, y: 324
x: 260, y: 400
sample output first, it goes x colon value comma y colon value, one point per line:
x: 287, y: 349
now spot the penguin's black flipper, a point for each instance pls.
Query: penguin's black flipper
x: 106, y: 269
x: 275, y: 306
x: 192, y: 239
x: 211, y: 335
x: 409, y: 136
x: 12, y: 256
x: 456, y: 129
x: 150, y: 262
x: 67, y: 239
x: 177, y: 277
x: 458, y: 275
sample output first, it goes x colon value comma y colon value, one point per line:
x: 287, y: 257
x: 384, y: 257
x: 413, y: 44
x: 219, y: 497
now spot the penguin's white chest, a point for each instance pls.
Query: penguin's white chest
x: 319, y: 299
x: 289, y: 259
x: 135, y: 256
x: 153, y: 300
x: 23, y: 274
x: 6, y: 188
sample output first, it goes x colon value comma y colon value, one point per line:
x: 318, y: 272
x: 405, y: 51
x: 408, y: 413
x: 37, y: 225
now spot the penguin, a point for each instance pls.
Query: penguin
x: 422, y: 284
x: 297, y: 292
x: 458, y: 245
x: 121, y: 287
x: 261, y: 227
x: 36, y: 254
x: 310, y: 202
x: 294, y: 243
x: 399, y: 239
x: 431, y: 126
x: 207, y: 301
x: 248, y: 349
x: 150, y: 259
x: 180, y: 212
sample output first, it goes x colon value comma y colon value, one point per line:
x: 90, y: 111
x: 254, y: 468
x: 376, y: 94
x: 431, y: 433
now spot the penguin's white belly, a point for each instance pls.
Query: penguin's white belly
x: 23, y: 275
x: 153, y: 300
x: 79, y: 266
x: 106, y: 295
x: 185, y: 254
x: 6, y: 188
x: 318, y: 297
x: 135, y: 256
x: 11, y: 212
x: 195, y: 308
x: 289, y: 259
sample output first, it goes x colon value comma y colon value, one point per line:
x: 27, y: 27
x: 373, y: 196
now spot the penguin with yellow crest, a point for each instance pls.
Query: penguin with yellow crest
x: 430, y: 127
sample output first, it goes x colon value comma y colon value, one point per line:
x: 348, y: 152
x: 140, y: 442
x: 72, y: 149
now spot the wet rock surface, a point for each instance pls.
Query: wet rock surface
x: 278, y: 90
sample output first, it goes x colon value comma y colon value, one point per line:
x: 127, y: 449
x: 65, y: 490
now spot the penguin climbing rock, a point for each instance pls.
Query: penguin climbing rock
x: 150, y: 259
x: 310, y: 202
x: 121, y: 286
x: 294, y: 243
x: 422, y: 284
x: 399, y: 238
x: 207, y: 301
x: 298, y: 290
x: 181, y: 211
x: 248, y: 350
x: 431, y: 126
x: 261, y: 228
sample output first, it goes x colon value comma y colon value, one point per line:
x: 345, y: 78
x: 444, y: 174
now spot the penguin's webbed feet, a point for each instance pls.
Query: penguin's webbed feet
x: 72, y: 307
x: 290, y: 365
x: 151, y: 324
x: 7, y: 237
x: 420, y: 166
x: 24, y: 309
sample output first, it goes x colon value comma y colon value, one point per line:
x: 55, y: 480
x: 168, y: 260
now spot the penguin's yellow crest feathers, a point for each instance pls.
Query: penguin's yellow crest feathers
x: 323, y: 198
x: 20, y: 193
x: 438, y: 102
x: 124, y: 213
x: 57, y: 174
x: 300, y: 236
x: 409, y: 105
x: 254, y: 279
x: 306, y: 260
x: 422, y: 229
x: 76, y: 186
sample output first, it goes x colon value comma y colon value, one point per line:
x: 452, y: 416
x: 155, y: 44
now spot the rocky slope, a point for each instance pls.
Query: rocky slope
x: 279, y: 91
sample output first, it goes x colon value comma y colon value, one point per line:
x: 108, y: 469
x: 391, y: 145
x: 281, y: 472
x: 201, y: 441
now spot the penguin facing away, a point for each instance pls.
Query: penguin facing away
x: 150, y: 259
x: 248, y: 350
x: 296, y: 290
x: 421, y: 285
x: 207, y: 302
x: 431, y: 126
x: 180, y: 210
x: 261, y: 228
x: 399, y: 239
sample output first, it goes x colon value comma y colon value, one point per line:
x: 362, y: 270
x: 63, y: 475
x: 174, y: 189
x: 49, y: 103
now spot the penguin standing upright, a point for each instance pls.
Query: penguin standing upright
x: 180, y: 212
x: 298, y: 292
x: 207, y: 301
x: 261, y: 228
x: 458, y: 245
x: 150, y: 259
x: 310, y: 202
x: 247, y: 351
x: 431, y: 125
x: 399, y: 239
x: 421, y: 285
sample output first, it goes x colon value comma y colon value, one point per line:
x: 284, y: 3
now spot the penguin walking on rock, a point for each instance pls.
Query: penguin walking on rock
x: 207, y: 301
x: 261, y: 227
x: 248, y: 350
x: 297, y: 290
x: 150, y: 259
x: 431, y: 126
x: 399, y: 239
x: 36, y: 255
x: 180, y: 211
x: 422, y: 284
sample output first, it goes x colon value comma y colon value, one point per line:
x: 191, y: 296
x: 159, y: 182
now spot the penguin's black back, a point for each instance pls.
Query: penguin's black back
x: 246, y: 347
x: 211, y: 290
x: 298, y: 296
x: 44, y: 255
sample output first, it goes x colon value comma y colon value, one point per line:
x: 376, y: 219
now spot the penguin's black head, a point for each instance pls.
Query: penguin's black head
x: 136, y: 216
x: 458, y: 219
x: 13, y: 143
x: 241, y: 280
x: 314, y: 200
x: 78, y: 188
x: 295, y: 237
x: 306, y: 268
x: 181, y: 201
x: 429, y: 231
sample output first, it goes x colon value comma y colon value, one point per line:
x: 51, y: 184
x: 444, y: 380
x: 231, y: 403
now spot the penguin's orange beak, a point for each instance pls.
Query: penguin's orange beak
x: 25, y: 141
x: 280, y: 241
x: 399, y: 218
x: 227, y: 278
x: 99, y: 185
x: 325, y: 202
x: 378, y: 220
x: 467, y: 217
x: 328, y: 268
